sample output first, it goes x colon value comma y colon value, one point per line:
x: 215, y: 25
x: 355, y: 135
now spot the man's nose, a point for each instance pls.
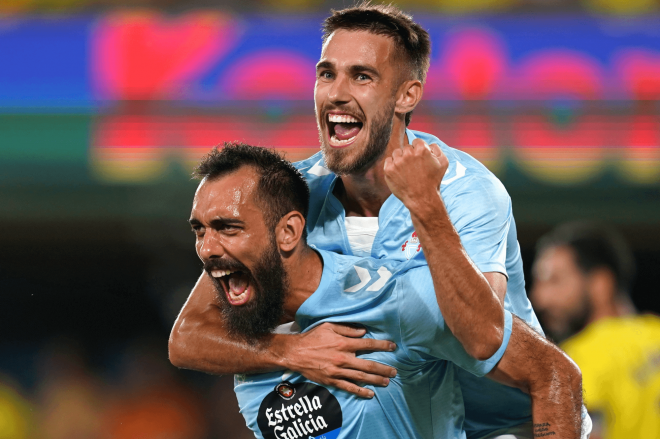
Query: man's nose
x: 339, y: 90
x: 211, y: 246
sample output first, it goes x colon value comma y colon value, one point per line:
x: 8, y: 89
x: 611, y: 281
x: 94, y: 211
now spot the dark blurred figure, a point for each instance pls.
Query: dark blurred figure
x: 582, y: 276
x: 69, y: 397
x: 149, y: 402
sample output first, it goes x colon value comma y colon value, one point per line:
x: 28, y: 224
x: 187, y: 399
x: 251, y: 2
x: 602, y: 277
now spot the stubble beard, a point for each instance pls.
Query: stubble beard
x: 575, y: 322
x: 339, y: 160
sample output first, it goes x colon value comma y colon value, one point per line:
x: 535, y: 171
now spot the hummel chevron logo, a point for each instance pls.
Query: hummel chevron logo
x: 383, y: 275
x: 319, y: 170
x: 460, y: 172
x: 380, y: 283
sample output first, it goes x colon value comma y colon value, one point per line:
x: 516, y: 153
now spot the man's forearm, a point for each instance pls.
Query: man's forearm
x: 557, y: 398
x: 326, y: 354
x: 201, y: 341
x: 469, y: 305
x: 552, y: 379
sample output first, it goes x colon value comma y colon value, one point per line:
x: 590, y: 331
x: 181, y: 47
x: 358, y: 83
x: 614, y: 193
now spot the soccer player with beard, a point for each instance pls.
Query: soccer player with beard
x: 249, y: 219
x: 374, y: 192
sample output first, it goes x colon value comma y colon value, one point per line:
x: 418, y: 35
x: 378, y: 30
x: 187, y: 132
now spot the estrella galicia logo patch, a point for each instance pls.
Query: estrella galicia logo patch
x: 300, y: 411
x: 412, y: 246
x: 286, y: 390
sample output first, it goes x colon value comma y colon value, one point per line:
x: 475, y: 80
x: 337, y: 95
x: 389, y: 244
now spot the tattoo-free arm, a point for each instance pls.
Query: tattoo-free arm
x: 200, y: 341
x: 554, y: 382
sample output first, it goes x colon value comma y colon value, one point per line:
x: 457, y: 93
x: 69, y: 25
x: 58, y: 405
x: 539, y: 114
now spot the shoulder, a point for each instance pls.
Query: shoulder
x: 465, y: 174
x: 313, y: 168
x: 586, y: 347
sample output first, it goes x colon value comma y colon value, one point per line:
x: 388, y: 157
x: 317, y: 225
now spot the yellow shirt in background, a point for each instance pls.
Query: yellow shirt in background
x: 620, y: 362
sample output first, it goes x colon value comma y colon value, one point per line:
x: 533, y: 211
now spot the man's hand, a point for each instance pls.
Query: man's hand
x: 201, y: 341
x: 326, y: 355
x: 414, y: 172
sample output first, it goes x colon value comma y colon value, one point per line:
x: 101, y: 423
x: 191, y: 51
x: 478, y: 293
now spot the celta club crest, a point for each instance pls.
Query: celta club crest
x: 412, y: 246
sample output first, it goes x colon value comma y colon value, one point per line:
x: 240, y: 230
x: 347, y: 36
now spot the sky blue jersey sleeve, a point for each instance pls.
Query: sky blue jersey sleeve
x: 480, y: 209
x: 424, y: 333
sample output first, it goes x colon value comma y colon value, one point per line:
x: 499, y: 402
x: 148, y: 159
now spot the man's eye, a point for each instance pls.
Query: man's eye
x: 363, y: 77
x: 199, y: 231
x: 325, y: 75
x: 229, y: 228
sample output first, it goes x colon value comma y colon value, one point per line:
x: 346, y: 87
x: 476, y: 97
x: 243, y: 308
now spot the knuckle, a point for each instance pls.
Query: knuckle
x: 336, y: 361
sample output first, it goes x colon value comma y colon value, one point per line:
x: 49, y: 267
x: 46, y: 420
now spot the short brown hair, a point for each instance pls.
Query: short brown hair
x: 411, y: 40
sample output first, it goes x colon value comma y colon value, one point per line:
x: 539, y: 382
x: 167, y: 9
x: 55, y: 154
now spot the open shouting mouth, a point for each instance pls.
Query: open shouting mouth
x: 236, y: 285
x: 343, y: 129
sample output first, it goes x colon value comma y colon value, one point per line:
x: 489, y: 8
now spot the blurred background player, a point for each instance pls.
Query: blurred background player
x: 582, y: 278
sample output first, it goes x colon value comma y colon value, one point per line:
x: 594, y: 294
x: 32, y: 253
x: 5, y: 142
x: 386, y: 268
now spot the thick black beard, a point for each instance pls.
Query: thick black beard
x: 264, y: 311
x: 379, y: 136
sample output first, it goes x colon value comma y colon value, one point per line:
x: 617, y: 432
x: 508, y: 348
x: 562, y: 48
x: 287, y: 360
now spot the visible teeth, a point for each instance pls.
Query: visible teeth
x: 342, y: 118
x: 221, y: 273
x: 334, y: 141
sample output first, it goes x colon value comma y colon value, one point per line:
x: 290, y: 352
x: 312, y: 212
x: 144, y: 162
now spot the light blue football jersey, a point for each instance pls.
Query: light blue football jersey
x: 393, y: 301
x: 480, y: 210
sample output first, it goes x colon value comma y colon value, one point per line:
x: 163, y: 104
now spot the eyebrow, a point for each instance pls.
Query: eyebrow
x: 324, y: 65
x: 358, y: 68
x: 217, y: 222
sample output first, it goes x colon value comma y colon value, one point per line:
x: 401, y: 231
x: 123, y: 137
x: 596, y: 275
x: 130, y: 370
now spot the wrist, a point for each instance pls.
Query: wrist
x: 430, y: 207
x: 279, y: 350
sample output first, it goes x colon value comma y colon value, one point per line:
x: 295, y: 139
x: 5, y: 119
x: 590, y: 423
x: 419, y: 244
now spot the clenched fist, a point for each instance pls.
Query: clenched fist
x: 414, y: 172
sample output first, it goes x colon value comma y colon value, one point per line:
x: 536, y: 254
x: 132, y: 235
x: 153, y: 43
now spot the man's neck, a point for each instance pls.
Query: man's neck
x: 619, y: 307
x: 364, y: 194
x: 304, y: 274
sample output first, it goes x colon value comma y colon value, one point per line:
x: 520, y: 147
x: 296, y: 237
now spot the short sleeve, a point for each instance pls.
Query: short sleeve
x: 424, y: 333
x: 480, y: 209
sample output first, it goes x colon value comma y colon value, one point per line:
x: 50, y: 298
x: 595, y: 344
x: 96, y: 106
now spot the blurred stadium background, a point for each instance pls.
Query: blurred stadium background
x: 105, y: 106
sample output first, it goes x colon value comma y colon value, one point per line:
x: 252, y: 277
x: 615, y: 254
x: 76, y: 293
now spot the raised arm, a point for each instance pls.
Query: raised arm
x: 326, y: 354
x: 471, y: 302
x: 554, y: 382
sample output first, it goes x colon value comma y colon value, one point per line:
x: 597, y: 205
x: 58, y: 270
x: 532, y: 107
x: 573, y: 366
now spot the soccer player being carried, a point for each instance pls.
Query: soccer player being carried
x: 249, y: 218
x: 379, y: 190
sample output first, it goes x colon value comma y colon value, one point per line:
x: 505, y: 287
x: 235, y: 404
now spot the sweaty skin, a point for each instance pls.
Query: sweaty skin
x: 530, y: 363
x: 358, y: 75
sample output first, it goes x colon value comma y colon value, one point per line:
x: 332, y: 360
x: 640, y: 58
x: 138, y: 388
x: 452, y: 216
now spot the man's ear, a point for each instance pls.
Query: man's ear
x: 408, y: 96
x: 289, y: 231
